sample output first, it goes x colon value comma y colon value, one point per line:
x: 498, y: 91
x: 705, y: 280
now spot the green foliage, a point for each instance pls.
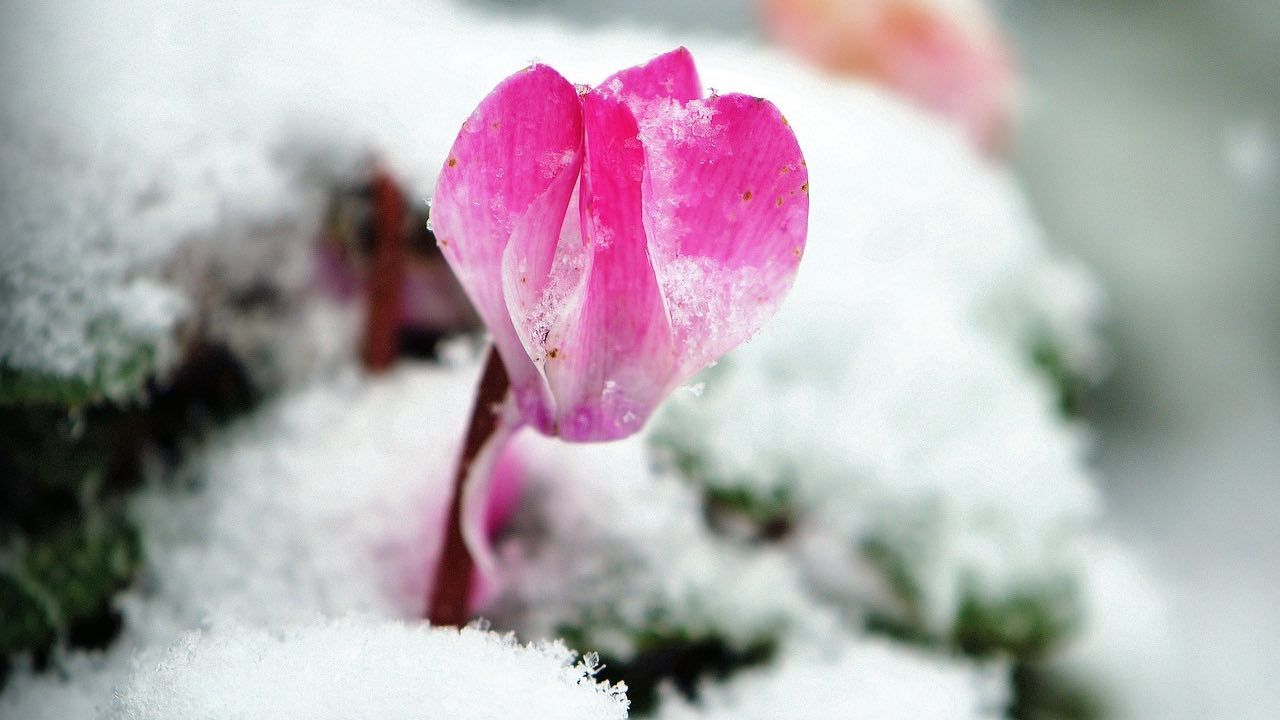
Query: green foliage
x: 733, y: 508
x: 112, y: 378
x: 1045, y: 693
x: 672, y: 655
x: 1026, y: 623
x: 66, y: 475
x: 1047, y: 357
x: 61, y: 586
x: 762, y: 516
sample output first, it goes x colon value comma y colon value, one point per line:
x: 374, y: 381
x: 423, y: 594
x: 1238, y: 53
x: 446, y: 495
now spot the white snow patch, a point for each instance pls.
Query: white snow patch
x: 616, y: 548
x: 325, y: 503
x: 354, y: 669
x: 870, y: 679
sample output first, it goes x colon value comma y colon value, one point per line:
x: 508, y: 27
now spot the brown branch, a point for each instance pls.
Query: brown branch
x: 386, y: 280
x: 452, y: 587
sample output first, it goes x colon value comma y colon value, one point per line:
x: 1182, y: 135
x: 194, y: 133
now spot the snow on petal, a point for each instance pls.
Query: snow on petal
x: 726, y: 200
x: 609, y: 362
x: 668, y: 77
x: 501, y: 202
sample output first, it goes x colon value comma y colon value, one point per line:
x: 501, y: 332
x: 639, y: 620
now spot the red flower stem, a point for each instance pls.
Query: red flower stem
x: 386, y: 281
x: 452, y: 587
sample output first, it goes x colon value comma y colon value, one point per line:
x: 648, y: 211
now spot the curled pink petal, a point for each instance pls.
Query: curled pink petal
x: 505, y: 188
x: 726, y: 198
x: 505, y: 486
x: 609, y: 361
x: 504, y: 493
x: 670, y: 77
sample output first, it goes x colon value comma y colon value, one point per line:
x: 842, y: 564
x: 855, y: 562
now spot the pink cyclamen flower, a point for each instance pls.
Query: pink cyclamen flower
x: 948, y: 56
x: 616, y: 240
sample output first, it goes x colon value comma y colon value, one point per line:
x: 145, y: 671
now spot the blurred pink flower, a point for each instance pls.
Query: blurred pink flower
x: 617, y: 240
x: 948, y: 56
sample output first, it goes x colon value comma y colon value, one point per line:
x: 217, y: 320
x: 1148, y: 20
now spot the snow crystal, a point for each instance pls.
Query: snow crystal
x: 709, y: 305
x: 353, y: 669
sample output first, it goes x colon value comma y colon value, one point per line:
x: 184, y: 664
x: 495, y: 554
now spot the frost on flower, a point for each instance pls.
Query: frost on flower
x: 617, y: 240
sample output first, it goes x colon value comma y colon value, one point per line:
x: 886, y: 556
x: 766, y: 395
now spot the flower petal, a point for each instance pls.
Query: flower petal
x: 726, y: 200
x: 609, y: 361
x: 670, y: 76
x: 485, y: 520
x: 504, y: 191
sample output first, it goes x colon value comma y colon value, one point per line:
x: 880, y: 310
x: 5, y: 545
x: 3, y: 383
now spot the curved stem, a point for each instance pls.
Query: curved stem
x: 492, y: 425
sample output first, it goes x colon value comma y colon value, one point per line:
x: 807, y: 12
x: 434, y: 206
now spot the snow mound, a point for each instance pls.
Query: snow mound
x: 353, y: 669
x: 324, y: 503
x: 610, y: 547
x: 864, y: 680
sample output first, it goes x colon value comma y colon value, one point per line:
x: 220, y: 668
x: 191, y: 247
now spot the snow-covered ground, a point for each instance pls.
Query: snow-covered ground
x: 893, y: 403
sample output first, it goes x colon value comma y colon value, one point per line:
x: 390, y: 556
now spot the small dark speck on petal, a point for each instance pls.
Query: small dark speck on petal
x: 746, y: 195
x: 453, y: 162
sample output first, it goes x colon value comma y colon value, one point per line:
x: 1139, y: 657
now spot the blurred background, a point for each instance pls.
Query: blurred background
x: 1148, y: 139
x: 1149, y: 142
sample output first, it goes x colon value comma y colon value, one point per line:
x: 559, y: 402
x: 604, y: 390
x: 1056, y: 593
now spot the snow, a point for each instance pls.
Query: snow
x: 322, y: 505
x: 319, y: 671
x: 870, y: 680
x: 892, y: 400
x: 616, y: 548
x: 90, y: 318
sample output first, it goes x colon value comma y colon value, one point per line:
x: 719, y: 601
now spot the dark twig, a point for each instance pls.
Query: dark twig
x: 386, y: 280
